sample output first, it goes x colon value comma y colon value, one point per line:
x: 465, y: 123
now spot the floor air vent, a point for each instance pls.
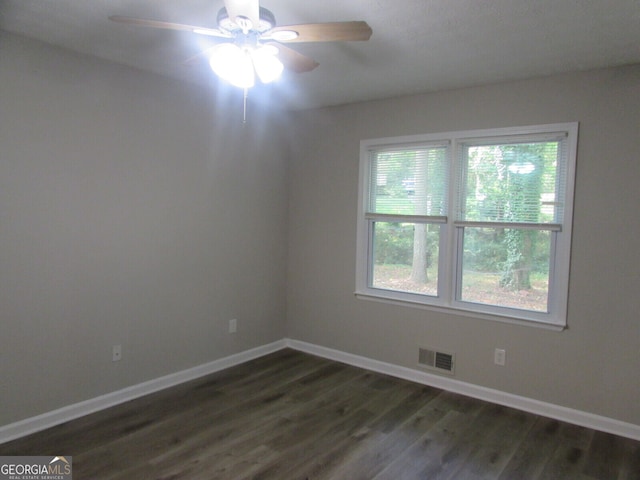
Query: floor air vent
x: 436, y: 360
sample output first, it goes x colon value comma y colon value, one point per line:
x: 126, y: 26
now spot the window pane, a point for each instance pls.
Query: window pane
x: 411, y: 181
x: 506, y: 267
x: 512, y: 182
x: 406, y: 257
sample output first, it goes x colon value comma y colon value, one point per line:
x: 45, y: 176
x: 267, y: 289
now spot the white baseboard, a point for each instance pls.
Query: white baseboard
x: 65, y: 414
x: 70, y: 412
x: 537, y: 407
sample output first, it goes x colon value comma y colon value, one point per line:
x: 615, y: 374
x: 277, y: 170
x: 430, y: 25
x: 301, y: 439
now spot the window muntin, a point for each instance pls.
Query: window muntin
x: 496, y: 208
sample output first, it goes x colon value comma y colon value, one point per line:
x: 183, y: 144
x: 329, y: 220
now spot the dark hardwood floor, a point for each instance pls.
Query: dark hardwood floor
x: 290, y: 415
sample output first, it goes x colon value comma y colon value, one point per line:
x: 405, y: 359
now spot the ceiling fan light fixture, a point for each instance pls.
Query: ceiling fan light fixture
x: 266, y: 63
x: 239, y: 65
x: 233, y: 64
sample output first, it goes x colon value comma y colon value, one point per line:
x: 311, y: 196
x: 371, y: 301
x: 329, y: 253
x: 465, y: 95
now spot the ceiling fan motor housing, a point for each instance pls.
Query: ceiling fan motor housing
x: 243, y: 24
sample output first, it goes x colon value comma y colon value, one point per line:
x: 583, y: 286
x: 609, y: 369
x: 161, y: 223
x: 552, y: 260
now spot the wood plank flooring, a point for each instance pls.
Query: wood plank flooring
x: 290, y: 415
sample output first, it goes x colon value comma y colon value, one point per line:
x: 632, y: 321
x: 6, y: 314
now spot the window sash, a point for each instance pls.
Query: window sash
x: 409, y: 179
x: 501, y: 309
x: 514, y: 168
x: 372, y: 245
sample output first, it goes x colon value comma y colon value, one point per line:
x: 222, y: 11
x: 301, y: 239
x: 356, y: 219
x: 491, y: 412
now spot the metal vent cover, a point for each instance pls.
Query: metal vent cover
x: 437, y: 360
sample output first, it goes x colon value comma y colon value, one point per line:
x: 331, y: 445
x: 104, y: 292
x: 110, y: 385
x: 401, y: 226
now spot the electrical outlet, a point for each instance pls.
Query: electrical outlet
x: 116, y: 353
x: 500, y: 357
x: 233, y: 325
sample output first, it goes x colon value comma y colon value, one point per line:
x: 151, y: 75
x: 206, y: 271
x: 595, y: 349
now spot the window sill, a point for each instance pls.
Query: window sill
x: 389, y: 299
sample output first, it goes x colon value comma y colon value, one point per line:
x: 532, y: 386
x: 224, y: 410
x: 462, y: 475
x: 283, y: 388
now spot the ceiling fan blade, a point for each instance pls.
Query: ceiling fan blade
x: 243, y: 8
x: 323, y: 32
x: 213, y: 32
x: 292, y: 60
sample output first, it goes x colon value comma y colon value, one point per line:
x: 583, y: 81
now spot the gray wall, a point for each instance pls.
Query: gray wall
x: 133, y: 210
x: 593, y: 366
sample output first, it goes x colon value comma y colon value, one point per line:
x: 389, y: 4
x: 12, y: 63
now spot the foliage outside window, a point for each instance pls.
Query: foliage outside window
x: 476, y: 221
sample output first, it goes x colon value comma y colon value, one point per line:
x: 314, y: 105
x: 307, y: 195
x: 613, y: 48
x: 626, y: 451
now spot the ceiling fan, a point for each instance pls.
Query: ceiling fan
x: 249, y: 43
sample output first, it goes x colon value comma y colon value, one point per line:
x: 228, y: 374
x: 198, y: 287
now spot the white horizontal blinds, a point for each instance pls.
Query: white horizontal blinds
x: 559, y: 199
x: 512, y: 181
x: 409, y: 182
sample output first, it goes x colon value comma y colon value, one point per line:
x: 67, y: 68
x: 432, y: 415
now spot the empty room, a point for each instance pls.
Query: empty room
x: 320, y: 240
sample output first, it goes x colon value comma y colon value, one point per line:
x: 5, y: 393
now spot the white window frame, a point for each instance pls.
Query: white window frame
x: 450, y: 260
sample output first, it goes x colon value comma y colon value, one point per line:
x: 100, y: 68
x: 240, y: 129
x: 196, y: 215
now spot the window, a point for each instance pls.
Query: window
x: 478, y: 222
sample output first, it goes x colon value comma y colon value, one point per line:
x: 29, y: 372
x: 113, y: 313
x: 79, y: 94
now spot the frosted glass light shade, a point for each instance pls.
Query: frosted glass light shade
x: 239, y: 65
x: 233, y: 64
x: 266, y: 64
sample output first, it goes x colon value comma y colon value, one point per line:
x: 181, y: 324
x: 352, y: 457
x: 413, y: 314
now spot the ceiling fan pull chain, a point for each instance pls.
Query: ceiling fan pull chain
x: 244, y: 114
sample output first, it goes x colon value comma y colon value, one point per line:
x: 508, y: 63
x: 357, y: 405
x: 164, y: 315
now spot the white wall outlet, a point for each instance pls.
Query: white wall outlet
x: 500, y: 357
x: 116, y: 353
x: 233, y: 325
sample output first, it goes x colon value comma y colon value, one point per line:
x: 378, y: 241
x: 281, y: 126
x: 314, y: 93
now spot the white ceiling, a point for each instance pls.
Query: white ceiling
x: 417, y: 45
